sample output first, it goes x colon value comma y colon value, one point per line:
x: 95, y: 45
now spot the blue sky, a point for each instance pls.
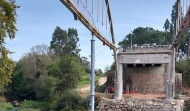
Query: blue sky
x: 37, y: 20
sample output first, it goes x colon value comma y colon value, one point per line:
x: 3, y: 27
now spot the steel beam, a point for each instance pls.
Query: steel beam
x: 180, y: 28
x: 74, y: 9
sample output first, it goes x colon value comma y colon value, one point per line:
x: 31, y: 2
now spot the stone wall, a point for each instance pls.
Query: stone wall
x: 148, y: 79
x: 131, y: 104
x: 178, y: 83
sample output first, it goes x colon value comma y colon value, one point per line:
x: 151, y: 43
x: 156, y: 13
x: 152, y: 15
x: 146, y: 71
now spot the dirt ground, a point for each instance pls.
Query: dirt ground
x: 85, y: 90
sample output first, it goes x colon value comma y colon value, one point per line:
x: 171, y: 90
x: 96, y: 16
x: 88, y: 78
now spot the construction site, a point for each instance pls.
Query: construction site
x: 149, y: 72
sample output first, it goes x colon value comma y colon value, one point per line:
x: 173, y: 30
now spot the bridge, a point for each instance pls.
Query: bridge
x: 147, y: 59
x: 134, y: 57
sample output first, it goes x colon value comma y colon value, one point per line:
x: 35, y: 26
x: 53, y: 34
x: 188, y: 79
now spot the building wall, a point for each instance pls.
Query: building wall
x: 148, y: 79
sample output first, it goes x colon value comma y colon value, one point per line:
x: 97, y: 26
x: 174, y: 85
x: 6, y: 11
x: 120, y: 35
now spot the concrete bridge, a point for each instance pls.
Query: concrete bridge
x: 146, y: 69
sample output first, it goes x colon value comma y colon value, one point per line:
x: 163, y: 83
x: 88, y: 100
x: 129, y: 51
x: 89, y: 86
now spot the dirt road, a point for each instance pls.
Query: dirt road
x: 86, y: 88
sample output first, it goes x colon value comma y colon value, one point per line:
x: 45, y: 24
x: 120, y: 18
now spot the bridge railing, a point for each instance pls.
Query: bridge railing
x: 146, y: 49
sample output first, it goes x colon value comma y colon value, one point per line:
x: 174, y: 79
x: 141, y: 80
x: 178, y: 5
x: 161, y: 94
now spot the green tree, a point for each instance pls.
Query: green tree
x: 85, y: 64
x: 98, y: 72
x: 21, y: 88
x: 184, y: 68
x: 7, y: 22
x: 167, y: 29
x: 142, y: 35
x: 45, y: 87
x: 183, y: 45
x: 64, y: 42
x: 71, y: 72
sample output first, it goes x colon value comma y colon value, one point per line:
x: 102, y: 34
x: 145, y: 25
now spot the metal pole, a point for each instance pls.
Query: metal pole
x: 1, y: 47
x: 92, y: 73
x: 131, y: 41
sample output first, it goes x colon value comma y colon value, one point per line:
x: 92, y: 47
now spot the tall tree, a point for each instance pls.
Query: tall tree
x: 7, y: 21
x: 64, y: 42
x: 166, y: 27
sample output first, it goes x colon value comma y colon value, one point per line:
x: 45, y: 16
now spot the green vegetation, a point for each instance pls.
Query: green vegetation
x: 86, y: 80
x: 45, y: 76
x: 187, y: 105
x: 43, y: 105
x: 6, y: 106
x: 184, y: 68
x: 71, y: 101
x: 8, y: 29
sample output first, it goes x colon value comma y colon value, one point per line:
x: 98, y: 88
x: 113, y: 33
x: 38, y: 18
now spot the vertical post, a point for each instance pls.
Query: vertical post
x: 172, y: 76
x: 1, y: 48
x: 131, y: 42
x: 167, y: 80
x: 92, y: 73
x: 173, y: 71
x: 118, y: 84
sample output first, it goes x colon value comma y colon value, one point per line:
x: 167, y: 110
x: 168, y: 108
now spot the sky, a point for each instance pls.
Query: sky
x: 37, y: 20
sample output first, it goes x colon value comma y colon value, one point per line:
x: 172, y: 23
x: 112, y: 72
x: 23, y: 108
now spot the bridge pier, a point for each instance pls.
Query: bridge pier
x: 170, y: 78
x: 118, y: 84
x: 167, y: 81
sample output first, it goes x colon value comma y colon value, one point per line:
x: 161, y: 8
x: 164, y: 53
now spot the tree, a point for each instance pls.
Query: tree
x: 98, y: 72
x: 142, y: 36
x: 45, y: 87
x: 85, y: 64
x: 21, y: 88
x: 64, y: 42
x: 71, y: 72
x: 183, y: 45
x: 167, y: 28
x: 7, y: 22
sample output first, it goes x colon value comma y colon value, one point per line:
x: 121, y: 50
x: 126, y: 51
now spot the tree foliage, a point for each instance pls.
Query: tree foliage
x: 65, y: 42
x: 184, y: 68
x: 7, y: 22
x: 85, y: 64
x: 71, y: 72
x: 142, y: 35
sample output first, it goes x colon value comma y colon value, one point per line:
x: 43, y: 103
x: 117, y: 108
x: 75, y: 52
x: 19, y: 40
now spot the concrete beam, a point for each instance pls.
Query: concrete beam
x: 144, y: 59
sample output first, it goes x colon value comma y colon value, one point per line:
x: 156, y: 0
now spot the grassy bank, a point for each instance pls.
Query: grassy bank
x: 86, y: 80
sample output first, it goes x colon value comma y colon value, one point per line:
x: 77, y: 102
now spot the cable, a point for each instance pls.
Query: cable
x: 102, y: 12
x: 86, y: 3
x: 92, y: 6
x: 98, y: 12
x: 100, y: 52
x: 107, y: 17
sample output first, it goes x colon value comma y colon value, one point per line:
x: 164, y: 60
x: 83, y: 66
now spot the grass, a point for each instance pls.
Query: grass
x: 6, y: 106
x: 28, y: 109
x: 86, y: 80
x: 35, y: 104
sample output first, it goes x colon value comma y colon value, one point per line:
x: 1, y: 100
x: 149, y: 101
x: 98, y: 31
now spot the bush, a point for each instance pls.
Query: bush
x: 45, y: 87
x: 6, y: 106
x: 29, y: 109
x: 187, y: 105
x: 184, y: 68
x: 71, y: 100
x: 176, y: 96
x: 36, y: 104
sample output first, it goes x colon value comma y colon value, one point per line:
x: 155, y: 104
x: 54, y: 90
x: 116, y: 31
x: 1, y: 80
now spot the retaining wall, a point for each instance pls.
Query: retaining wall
x: 131, y: 104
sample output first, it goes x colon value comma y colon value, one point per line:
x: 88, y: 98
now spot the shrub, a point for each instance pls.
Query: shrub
x: 45, y: 87
x: 6, y: 106
x: 176, y: 96
x: 71, y: 100
x: 36, y: 104
x: 29, y: 109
